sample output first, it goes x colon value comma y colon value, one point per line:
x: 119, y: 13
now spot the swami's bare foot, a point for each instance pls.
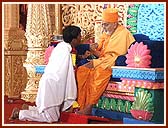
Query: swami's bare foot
x: 86, y: 111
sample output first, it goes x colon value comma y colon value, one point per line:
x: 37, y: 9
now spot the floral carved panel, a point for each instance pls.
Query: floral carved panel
x: 83, y: 15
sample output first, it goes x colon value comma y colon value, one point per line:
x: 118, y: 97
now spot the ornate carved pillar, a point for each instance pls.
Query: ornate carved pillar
x: 14, y: 52
x: 38, y: 32
x: 58, y: 19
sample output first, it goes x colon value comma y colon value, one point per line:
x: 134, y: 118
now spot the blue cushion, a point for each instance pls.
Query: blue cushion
x: 156, y: 47
x: 140, y: 37
x: 157, y: 53
x: 120, y: 61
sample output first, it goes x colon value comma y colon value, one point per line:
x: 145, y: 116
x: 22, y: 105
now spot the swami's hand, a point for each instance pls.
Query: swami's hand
x: 93, y: 46
x: 89, y: 64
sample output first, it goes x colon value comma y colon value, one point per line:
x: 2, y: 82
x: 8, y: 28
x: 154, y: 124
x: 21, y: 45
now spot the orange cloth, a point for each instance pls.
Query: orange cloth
x: 110, y: 15
x: 93, y: 82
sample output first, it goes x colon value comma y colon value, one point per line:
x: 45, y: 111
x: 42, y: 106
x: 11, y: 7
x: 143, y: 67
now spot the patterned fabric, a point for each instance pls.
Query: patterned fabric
x: 151, y: 21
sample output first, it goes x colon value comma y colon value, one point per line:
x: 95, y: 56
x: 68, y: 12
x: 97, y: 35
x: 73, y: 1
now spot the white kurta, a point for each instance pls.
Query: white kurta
x: 57, y: 86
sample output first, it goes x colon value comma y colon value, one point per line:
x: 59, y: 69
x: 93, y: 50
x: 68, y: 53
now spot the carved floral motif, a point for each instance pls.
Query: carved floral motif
x: 83, y: 15
x: 142, y: 108
x: 138, y: 56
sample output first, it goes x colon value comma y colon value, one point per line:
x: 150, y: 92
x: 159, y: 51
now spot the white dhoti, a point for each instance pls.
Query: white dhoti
x: 57, y: 87
x: 49, y: 115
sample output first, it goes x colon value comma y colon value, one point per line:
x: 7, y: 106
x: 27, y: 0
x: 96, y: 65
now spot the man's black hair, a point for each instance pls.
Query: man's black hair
x: 70, y: 32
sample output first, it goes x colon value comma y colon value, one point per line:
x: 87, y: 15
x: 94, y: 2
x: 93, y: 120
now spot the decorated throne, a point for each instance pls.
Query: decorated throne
x: 135, y: 93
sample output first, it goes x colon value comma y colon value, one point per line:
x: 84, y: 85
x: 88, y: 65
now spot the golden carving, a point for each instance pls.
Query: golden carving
x: 29, y: 96
x: 52, y: 15
x: 7, y: 75
x: 38, y: 33
x: 83, y: 15
x: 32, y: 84
x: 14, y: 53
x: 98, y: 30
x: 35, y: 57
x: 15, y: 75
x: 20, y: 73
x: 37, y: 30
x: 15, y: 40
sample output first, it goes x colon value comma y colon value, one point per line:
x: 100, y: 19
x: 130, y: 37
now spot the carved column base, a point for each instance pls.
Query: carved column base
x: 29, y: 96
x: 30, y: 92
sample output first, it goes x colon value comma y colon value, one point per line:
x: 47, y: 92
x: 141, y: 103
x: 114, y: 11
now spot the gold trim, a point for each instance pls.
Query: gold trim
x: 119, y: 93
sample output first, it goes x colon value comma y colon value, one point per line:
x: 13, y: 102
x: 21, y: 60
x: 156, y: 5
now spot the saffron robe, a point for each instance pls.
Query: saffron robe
x: 92, y: 82
x: 57, y: 87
